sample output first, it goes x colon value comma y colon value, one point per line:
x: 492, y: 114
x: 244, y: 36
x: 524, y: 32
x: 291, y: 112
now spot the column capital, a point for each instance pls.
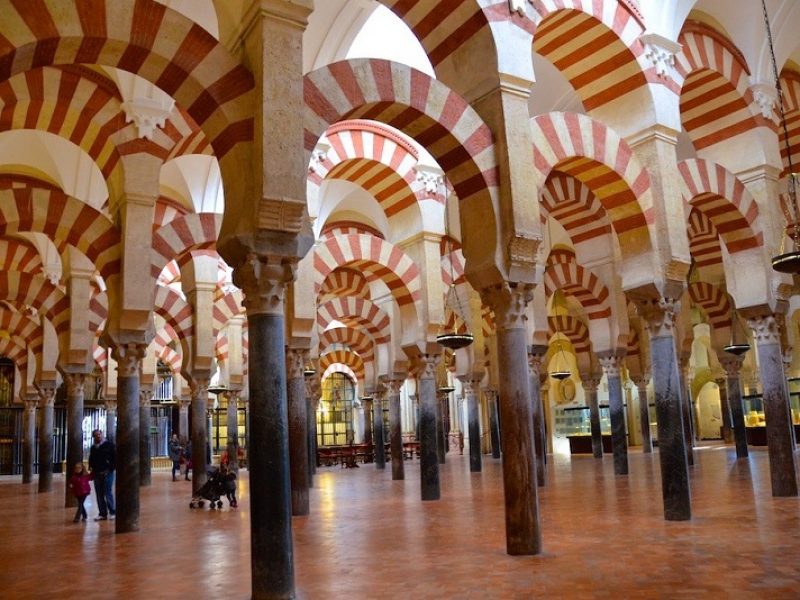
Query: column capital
x: 590, y: 383
x: 393, y: 386
x: 508, y: 301
x: 129, y: 358
x: 199, y: 385
x: 313, y: 388
x: 184, y: 403
x: 145, y: 397
x: 659, y: 315
x: 732, y: 364
x: 263, y: 279
x: 766, y: 328
x: 111, y: 404
x: 31, y: 401
x: 296, y: 359
x: 611, y: 362
x: 427, y: 365
x: 641, y: 381
x: 471, y: 383
x: 536, y: 353
x: 48, y: 396
x: 74, y: 382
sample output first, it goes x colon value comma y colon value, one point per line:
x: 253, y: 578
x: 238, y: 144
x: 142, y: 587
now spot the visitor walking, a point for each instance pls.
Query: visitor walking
x: 175, y: 455
x: 102, y: 461
x: 79, y: 484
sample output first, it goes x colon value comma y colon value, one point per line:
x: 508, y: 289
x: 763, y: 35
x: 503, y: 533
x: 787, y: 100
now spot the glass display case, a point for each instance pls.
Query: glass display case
x: 755, y: 421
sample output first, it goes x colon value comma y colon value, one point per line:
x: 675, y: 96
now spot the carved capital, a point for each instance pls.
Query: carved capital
x: 590, y: 383
x: 148, y: 114
x: 313, y: 387
x: 659, y: 315
x: 199, y: 387
x: 263, y: 281
x: 766, y: 329
x: 184, y: 404
x: 393, y: 387
x: 31, y: 402
x: 281, y: 214
x: 536, y: 353
x: 611, y: 362
x: 432, y: 181
x: 145, y: 397
x: 296, y: 360
x: 765, y: 96
x: 74, y: 383
x: 47, y: 396
x: 732, y: 365
x: 111, y: 405
x: 508, y: 301
x: 129, y: 359
x: 660, y: 51
x: 427, y: 365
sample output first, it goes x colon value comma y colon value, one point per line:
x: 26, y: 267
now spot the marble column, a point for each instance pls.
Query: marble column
x: 733, y: 366
x: 145, y: 422
x: 368, y: 418
x: 611, y: 363
x: 74, y: 384
x: 686, y: 412
x: 523, y: 529
x: 129, y: 359
x: 494, y: 422
x: 232, y: 425
x: 780, y: 431
x: 644, y: 414
x: 471, y: 391
x: 46, y: 403
x: 312, y: 400
x: 184, y: 404
x: 660, y: 314
x: 590, y: 385
x: 263, y: 281
x: 725, y: 412
x: 441, y: 440
x: 298, y: 430
x: 395, y: 428
x: 428, y: 436
x: 111, y: 420
x: 535, y: 354
x: 377, y: 429
x: 199, y: 416
x: 29, y: 436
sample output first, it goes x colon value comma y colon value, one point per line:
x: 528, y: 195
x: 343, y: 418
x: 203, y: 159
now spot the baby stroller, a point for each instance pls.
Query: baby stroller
x: 211, y: 490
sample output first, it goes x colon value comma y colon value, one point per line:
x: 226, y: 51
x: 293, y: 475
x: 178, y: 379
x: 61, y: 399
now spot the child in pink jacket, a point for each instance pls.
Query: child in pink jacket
x: 79, y: 484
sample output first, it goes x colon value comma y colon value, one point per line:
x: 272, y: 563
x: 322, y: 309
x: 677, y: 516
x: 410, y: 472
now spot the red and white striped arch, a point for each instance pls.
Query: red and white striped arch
x: 221, y: 348
x: 65, y: 220
x: 24, y: 289
x: 344, y: 282
x: 376, y: 258
x: 790, y: 83
x: 20, y: 325
x: 338, y: 227
x: 595, y: 45
x: 452, y: 262
x: 355, y: 312
x: 98, y: 310
x: 720, y: 195
x: 565, y: 274
x: 355, y: 339
x: 19, y: 255
x: 188, y: 232
x: 714, y: 301
x: 170, y: 358
x: 227, y: 305
x: 575, y: 207
x: 100, y: 355
x: 715, y: 81
x: 344, y: 357
x: 14, y: 349
x: 587, y: 150
x: 573, y: 329
x: 340, y: 368
x: 171, y: 273
x: 704, y: 240
x: 178, y: 314
x: 166, y: 210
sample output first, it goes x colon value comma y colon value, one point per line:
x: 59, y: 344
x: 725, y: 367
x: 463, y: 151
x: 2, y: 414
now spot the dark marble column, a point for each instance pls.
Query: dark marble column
x: 298, y: 430
x: 523, y: 529
x: 368, y: 437
x: 395, y: 428
x: 145, y: 422
x: 232, y: 425
x: 74, y: 383
x: 611, y: 363
x: 733, y: 366
x: 780, y: 431
x: 686, y: 414
x: 199, y: 416
x: 441, y: 440
x: 659, y: 314
x: 271, y: 550
x: 378, y: 430
x: 129, y: 359
x: 535, y: 354
x: 46, y: 402
x: 494, y: 422
x: 590, y: 385
x: 644, y: 414
x: 312, y: 398
x: 111, y: 420
x: 428, y: 436
x: 29, y: 436
x: 725, y: 412
x: 471, y: 391
x: 183, y: 420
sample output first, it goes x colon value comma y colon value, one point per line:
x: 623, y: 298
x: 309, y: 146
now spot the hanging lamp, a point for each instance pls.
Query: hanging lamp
x: 446, y: 388
x: 309, y: 370
x: 452, y: 338
x: 739, y: 344
x: 785, y: 261
x: 559, y: 374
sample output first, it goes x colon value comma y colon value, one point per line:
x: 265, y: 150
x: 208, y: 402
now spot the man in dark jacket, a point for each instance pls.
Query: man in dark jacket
x: 102, y: 462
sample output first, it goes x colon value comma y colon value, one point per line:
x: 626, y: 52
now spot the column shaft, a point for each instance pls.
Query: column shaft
x: 686, y: 412
x: 737, y: 413
x: 232, y: 425
x: 441, y: 442
x: 644, y: 418
x: 535, y: 354
x: 494, y: 424
x: 377, y: 431
x: 473, y: 426
x: 183, y: 421
x: 111, y: 421
x: 298, y: 434
x: 590, y: 386
x: 725, y: 412
x: 128, y: 457
x: 46, y: 441
x: 616, y: 408
x: 199, y: 411
x: 428, y: 437
x: 396, y: 431
x: 145, y: 421
x: 28, y: 440
x: 74, y: 384
x: 368, y: 418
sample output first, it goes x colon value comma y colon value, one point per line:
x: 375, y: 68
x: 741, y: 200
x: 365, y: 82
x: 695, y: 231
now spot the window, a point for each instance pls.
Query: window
x: 335, y: 412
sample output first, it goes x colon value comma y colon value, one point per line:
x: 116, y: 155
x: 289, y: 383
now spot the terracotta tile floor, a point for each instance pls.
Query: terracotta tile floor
x: 370, y: 537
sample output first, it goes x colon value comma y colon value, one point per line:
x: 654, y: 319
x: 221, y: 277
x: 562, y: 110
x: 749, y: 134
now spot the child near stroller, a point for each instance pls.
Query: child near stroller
x: 211, y: 490
x: 228, y: 482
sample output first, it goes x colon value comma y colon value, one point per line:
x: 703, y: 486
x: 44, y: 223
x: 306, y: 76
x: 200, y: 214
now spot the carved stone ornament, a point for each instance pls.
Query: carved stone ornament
x: 199, y: 387
x: 432, y: 182
x: 312, y: 388
x: 111, y: 405
x: 611, y: 364
x: 659, y: 315
x: 147, y: 114
x: 129, y: 359
x: 145, y: 397
x: 31, y: 403
x: 281, y: 214
x: 660, y: 51
x: 427, y: 366
x: 184, y: 404
x: 295, y: 363
x: 536, y: 353
x: 318, y: 157
x: 74, y: 383
x: 516, y: 6
x: 393, y: 387
x: 263, y: 281
x: 522, y: 252
x: 590, y: 384
x: 48, y: 396
x: 766, y: 329
x: 732, y: 365
x: 508, y: 303
x: 764, y: 96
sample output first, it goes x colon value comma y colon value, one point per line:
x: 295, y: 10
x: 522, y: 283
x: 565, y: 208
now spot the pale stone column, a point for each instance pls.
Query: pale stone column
x: 47, y: 400
x: 111, y: 419
x: 429, y: 463
x: 233, y: 429
x: 129, y: 358
x: 395, y: 428
x: 367, y: 403
x: 535, y: 354
x: 659, y: 314
x: 733, y: 366
x: 199, y: 416
x: 28, y: 436
x: 145, y: 421
x: 471, y: 390
x: 298, y: 430
x: 441, y: 434
x: 686, y: 410
x: 313, y: 386
x: 523, y: 529
x: 590, y: 385
x: 74, y: 383
x: 377, y: 428
x: 780, y: 431
x: 644, y: 414
x: 611, y: 363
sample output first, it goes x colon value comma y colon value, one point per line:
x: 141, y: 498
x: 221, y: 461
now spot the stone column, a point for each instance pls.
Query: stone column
x: 428, y: 437
x: 199, y: 416
x: 395, y: 428
x: 377, y: 429
x: 733, y: 366
x: 523, y: 530
x: 725, y: 412
x: 129, y: 359
x: 184, y: 404
x: 47, y: 400
x: 590, y: 385
x: 233, y: 429
x: 611, y: 363
x: 367, y: 402
x: 535, y: 354
x: 441, y: 440
x: 263, y: 281
x: 312, y: 399
x: 494, y: 422
x: 298, y: 430
x: 471, y: 390
x: 28, y: 436
x: 74, y: 383
x: 111, y: 420
x: 644, y: 414
x: 780, y: 432
x: 145, y: 421
x: 659, y: 314
x: 686, y: 412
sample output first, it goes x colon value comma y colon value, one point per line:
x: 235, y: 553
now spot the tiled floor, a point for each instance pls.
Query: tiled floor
x: 370, y: 537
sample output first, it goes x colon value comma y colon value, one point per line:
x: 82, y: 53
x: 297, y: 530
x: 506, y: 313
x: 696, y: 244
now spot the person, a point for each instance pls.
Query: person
x: 102, y: 462
x: 79, y: 484
x: 228, y: 479
x: 175, y: 455
x: 187, y: 454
